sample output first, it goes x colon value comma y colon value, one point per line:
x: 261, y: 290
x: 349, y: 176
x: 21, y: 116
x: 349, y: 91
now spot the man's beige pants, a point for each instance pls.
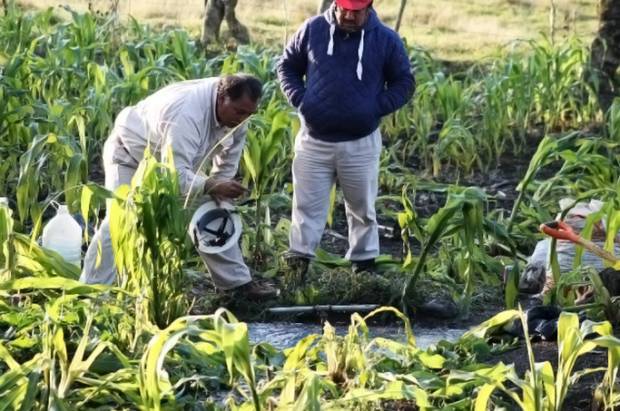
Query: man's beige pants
x: 227, y: 269
x: 316, y: 167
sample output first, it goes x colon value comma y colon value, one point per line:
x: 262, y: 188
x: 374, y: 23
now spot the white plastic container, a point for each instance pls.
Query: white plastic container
x: 64, y: 235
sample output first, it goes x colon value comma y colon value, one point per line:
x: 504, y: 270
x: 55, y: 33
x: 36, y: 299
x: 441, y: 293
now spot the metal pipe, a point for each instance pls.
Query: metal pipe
x: 322, y: 308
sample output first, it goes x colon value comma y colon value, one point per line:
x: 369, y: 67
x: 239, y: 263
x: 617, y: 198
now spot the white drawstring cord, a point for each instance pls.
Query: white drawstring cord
x: 330, y: 46
x: 360, y: 52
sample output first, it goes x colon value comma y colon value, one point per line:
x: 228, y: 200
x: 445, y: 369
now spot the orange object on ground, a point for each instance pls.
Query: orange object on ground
x: 562, y: 231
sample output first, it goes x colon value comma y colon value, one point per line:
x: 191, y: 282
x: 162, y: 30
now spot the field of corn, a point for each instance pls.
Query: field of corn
x: 152, y: 342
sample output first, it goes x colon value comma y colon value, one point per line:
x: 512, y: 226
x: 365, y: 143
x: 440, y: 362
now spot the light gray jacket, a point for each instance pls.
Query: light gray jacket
x: 182, y: 117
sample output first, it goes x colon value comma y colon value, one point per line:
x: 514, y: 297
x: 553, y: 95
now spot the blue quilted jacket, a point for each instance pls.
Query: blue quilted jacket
x: 351, y: 79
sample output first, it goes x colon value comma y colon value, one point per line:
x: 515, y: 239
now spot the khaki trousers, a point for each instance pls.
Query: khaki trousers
x: 316, y: 167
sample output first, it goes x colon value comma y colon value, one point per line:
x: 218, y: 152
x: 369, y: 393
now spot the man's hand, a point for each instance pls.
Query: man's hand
x: 226, y: 190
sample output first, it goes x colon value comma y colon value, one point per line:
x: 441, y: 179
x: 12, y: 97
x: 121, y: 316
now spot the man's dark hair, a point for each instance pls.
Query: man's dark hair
x: 236, y: 86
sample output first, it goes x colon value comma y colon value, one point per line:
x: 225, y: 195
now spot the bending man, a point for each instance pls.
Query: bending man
x: 190, y: 118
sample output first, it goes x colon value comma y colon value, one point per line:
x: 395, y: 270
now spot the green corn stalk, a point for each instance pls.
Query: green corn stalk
x: 18, y: 383
x: 56, y: 155
x: 547, y: 149
x: 293, y: 371
x: 310, y: 395
x: 7, y: 251
x: 223, y: 334
x: 265, y: 163
x: 613, y: 121
x: 456, y: 144
x: 148, y: 231
x: 408, y: 222
x: 467, y: 203
x: 59, y: 374
x: 336, y: 372
x: 542, y: 389
x: 606, y: 394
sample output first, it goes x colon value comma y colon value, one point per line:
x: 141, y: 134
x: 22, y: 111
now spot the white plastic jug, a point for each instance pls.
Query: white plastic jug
x: 64, y: 235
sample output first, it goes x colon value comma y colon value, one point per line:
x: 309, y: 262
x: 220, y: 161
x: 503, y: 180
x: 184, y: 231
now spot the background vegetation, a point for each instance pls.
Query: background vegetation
x: 453, y: 29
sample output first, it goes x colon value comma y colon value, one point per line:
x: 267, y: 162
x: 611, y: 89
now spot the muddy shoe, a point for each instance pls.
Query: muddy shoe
x: 255, y: 290
x: 359, y: 266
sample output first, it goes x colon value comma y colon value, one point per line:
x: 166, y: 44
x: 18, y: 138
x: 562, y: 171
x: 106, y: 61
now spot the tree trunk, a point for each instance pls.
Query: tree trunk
x: 552, y: 16
x: 5, y: 6
x: 215, y: 12
x: 605, y: 54
x: 323, y: 5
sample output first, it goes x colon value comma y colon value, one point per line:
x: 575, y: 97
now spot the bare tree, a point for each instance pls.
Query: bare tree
x: 401, y: 11
x: 605, y: 54
x: 217, y: 11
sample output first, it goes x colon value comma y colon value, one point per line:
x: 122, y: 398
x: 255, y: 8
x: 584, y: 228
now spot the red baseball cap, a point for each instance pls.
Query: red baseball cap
x: 353, y: 4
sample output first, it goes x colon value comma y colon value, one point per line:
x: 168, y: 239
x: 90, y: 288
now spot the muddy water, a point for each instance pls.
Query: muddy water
x: 284, y: 334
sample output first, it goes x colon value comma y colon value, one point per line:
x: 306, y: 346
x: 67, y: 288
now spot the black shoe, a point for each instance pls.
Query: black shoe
x: 255, y: 290
x: 359, y: 266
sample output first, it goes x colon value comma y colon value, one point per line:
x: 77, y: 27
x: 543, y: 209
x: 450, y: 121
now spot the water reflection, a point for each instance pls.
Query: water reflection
x: 283, y: 334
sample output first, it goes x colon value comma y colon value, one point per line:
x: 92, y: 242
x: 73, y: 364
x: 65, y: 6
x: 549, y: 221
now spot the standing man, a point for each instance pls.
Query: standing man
x: 343, y: 70
x: 189, y: 119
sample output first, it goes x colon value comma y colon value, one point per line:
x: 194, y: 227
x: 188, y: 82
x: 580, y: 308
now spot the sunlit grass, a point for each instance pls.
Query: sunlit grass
x: 451, y: 29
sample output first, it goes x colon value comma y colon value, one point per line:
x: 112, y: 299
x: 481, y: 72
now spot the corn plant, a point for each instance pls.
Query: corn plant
x: 456, y: 144
x: 71, y: 353
x: 7, y: 252
x: 251, y: 60
x: 558, y: 74
x: 547, y: 150
x: 61, y: 374
x: 409, y: 225
x: 148, y: 229
x: 22, y: 257
x: 62, y: 155
x: 542, y: 389
x: 595, y: 161
x: 613, y: 121
x: 461, y: 218
x: 355, y: 371
x: 266, y: 164
x: 216, y: 339
x: 606, y: 394
x: 346, y: 368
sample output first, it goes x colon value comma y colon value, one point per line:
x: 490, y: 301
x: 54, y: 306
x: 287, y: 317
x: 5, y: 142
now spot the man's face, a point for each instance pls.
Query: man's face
x: 231, y: 113
x: 351, y: 20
